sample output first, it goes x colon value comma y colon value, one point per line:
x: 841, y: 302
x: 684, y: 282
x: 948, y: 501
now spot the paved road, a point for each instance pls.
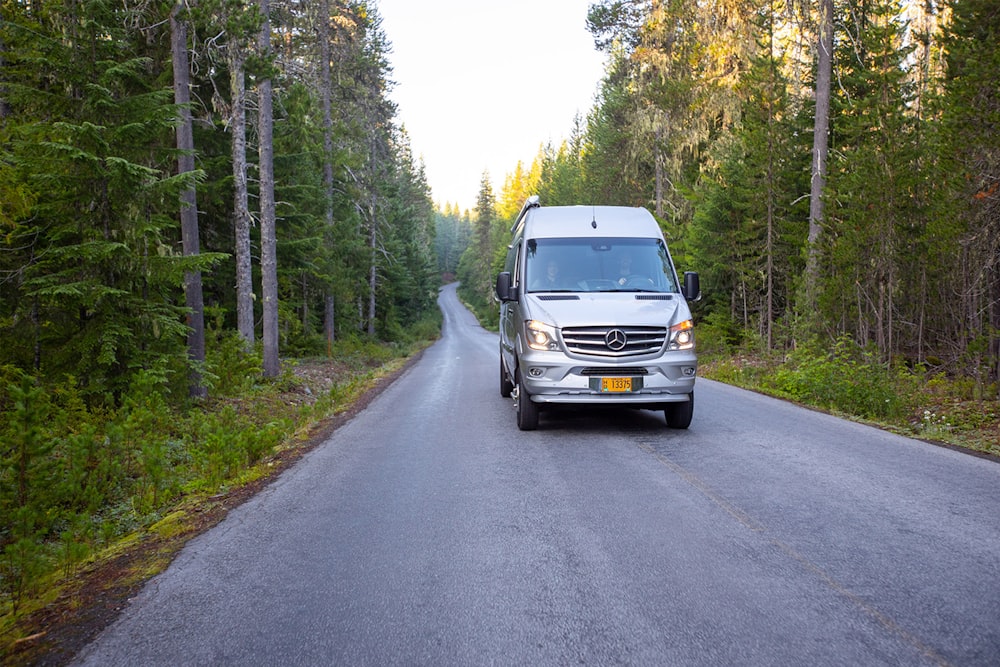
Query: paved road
x: 430, y: 531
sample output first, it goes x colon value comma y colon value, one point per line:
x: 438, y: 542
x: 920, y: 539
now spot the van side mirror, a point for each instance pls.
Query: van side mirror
x: 692, y: 286
x: 503, y: 286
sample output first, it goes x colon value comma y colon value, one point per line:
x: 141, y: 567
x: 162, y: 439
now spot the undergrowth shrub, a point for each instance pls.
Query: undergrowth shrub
x: 848, y: 379
x: 77, y: 475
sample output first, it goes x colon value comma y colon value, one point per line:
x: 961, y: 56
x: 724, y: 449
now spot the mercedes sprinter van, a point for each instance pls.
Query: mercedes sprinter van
x: 592, y: 312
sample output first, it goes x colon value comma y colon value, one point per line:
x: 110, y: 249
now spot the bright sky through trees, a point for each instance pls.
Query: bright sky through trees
x: 481, y: 85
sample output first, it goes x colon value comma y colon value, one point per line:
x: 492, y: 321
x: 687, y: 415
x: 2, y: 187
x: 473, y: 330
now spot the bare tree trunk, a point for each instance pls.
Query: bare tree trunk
x: 821, y: 133
x: 993, y: 294
x: 326, y: 87
x: 328, y: 323
x: 771, y: 196
x: 268, y: 223
x: 326, y: 92
x: 193, y: 297
x: 372, y: 270
x: 241, y: 209
x: 658, y: 163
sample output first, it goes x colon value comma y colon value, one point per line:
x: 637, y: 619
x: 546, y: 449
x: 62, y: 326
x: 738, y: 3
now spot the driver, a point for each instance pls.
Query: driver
x: 550, y: 280
x: 624, y: 269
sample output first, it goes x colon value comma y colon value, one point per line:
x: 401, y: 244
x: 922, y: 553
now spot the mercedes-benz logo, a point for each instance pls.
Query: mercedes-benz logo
x: 615, y: 340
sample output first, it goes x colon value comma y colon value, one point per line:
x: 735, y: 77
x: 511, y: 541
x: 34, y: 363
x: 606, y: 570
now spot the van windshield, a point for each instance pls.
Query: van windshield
x: 598, y: 265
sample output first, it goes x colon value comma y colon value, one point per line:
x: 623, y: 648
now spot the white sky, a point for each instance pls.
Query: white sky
x: 481, y: 84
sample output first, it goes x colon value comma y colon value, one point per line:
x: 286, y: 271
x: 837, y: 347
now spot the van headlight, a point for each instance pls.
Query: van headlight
x: 682, y: 336
x: 540, y: 336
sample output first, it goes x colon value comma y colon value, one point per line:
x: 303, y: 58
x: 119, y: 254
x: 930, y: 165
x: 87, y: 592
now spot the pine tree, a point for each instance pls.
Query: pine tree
x: 746, y: 231
x: 872, y: 173
x: 95, y: 271
x: 971, y: 117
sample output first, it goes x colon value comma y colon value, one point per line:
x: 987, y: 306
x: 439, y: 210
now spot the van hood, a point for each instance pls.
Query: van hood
x: 608, y: 309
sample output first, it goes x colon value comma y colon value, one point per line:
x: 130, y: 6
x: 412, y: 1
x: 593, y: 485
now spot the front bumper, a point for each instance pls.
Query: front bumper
x: 553, y: 377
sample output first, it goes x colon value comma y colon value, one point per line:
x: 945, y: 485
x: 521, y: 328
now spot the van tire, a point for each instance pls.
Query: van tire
x: 506, y: 385
x: 678, y: 415
x: 527, y: 412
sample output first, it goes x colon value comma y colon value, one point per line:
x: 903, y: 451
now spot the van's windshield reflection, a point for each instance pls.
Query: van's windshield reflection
x: 598, y: 265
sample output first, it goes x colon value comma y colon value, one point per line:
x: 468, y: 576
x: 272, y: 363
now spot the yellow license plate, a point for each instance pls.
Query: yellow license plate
x: 616, y: 385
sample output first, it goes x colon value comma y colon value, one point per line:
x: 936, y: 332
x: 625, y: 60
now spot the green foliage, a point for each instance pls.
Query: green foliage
x: 24, y: 467
x: 483, y: 258
x: 718, y: 335
x: 91, y: 264
x: 847, y: 379
x: 74, y: 479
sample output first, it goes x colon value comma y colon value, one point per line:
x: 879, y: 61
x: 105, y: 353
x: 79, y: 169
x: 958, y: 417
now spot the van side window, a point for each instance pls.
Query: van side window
x: 516, y: 269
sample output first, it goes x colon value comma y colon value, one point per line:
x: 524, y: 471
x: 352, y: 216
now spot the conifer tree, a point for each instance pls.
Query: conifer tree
x: 746, y: 234
x: 971, y: 120
x: 873, y: 171
x: 93, y: 293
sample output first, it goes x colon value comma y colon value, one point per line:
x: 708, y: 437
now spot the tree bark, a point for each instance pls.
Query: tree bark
x: 373, y: 268
x: 241, y: 210
x: 658, y: 164
x: 821, y: 131
x: 193, y: 297
x: 328, y: 323
x: 268, y: 223
x: 326, y: 91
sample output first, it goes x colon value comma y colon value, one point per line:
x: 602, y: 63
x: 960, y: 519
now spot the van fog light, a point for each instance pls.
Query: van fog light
x: 536, y: 372
x: 688, y: 371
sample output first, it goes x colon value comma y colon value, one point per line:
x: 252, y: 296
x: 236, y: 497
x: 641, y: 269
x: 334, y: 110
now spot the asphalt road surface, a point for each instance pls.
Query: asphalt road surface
x: 429, y: 530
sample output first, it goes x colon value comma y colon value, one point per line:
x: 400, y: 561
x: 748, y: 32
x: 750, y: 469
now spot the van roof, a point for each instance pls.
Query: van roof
x: 596, y: 221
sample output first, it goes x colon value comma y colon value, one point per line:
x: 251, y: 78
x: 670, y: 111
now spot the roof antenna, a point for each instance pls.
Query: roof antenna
x: 593, y: 222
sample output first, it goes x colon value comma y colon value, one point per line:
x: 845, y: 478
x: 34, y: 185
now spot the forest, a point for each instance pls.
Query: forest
x: 823, y: 200
x: 113, y: 134
x: 193, y: 193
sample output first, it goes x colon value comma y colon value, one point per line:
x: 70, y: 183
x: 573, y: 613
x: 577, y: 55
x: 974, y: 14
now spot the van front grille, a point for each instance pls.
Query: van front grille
x: 614, y: 341
x: 610, y: 371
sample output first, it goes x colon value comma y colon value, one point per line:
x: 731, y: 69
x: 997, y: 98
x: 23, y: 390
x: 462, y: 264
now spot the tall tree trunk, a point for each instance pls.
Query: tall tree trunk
x: 268, y: 223
x: 994, y: 343
x: 372, y: 269
x: 326, y: 89
x: 772, y: 189
x: 241, y: 209
x: 193, y: 297
x: 328, y: 323
x: 658, y: 164
x: 821, y: 131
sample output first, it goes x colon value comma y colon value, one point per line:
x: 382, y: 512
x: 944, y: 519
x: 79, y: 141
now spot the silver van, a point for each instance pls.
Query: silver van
x: 592, y: 312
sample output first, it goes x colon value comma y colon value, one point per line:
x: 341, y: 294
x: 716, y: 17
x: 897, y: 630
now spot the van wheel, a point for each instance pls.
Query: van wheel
x: 527, y: 412
x: 679, y: 415
x: 506, y: 386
